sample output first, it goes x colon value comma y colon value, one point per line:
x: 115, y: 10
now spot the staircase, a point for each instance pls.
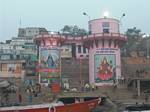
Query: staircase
x: 75, y: 71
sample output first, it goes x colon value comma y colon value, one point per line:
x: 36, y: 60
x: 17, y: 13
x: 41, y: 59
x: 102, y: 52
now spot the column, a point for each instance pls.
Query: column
x: 76, y: 51
x: 138, y: 87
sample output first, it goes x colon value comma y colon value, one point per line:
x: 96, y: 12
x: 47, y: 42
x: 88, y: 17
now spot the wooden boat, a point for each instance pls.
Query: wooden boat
x: 138, y: 108
x: 82, y: 106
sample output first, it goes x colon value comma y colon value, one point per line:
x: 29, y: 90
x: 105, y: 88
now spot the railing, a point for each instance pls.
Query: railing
x: 70, y: 38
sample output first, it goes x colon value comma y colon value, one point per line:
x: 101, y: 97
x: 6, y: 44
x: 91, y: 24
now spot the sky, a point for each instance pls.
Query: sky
x: 54, y: 14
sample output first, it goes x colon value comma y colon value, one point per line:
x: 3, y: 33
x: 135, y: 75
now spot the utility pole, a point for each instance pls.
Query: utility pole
x: 120, y: 21
x: 89, y: 25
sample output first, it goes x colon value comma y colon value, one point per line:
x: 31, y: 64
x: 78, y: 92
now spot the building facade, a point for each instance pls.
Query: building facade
x: 18, y: 56
x: 101, y: 47
x: 11, y: 62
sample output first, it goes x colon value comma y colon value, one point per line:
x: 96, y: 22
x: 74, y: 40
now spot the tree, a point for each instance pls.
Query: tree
x: 134, y: 39
x: 73, y: 31
x: 133, y: 32
x: 67, y: 29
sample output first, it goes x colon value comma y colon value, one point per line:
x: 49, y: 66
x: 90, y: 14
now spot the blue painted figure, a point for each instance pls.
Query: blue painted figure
x: 50, y: 62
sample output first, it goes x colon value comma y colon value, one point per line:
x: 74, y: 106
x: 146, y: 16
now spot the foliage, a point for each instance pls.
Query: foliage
x: 135, y: 41
x: 73, y: 31
x: 134, y: 38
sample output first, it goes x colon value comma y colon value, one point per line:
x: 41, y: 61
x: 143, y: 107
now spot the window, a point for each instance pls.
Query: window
x: 84, y: 50
x: 79, y: 48
x: 105, y: 26
x: 66, y: 49
x: 105, y: 30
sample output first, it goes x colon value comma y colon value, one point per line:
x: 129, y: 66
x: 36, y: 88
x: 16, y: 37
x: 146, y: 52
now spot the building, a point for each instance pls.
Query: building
x: 11, y: 62
x: 31, y: 31
x: 20, y: 53
x: 101, y: 47
x: 104, y: 46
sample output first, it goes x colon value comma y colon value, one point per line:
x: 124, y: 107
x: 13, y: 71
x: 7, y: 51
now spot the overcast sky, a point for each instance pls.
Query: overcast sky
x: 54, y: 14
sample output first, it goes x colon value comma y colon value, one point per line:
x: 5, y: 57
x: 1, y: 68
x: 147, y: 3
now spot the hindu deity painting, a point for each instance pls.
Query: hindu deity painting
x: 104, y: 68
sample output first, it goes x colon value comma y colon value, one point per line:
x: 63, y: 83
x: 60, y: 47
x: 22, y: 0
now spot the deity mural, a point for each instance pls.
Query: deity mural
x: 104, y: 68
x: 50, y: 58
x: 49, y: 63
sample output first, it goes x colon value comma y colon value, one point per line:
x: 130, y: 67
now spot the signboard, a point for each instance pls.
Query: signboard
x: 49, y: 62
x: 104, y: 67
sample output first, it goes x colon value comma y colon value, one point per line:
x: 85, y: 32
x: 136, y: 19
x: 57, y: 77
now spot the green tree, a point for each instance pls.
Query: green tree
x: 73, y: 31
x: 134, y: 39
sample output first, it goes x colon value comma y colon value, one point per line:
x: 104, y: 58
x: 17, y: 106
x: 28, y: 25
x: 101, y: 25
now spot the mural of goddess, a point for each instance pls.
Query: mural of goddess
x: 105, y: 69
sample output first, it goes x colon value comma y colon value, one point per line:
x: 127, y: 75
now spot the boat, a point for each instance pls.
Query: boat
x: 138, y: 108
x: 84, y: 105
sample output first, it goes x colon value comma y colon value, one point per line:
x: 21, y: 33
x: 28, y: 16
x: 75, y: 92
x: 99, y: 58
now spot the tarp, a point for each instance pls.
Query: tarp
x: 4, y: 83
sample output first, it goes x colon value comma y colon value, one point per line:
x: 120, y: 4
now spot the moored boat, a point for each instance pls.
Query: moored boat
x: 138, y: 108
x: 81, y: 106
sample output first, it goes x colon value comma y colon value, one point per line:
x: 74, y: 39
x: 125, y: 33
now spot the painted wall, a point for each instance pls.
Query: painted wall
x: 49, y: 60
x: 104, y: 64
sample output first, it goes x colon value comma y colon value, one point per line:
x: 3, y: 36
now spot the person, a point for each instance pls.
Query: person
x: 114, y: 84
x: 87, y: 87
x: 66, y: 86
x: 77, y: 100
x: 20, y: 97
x: 38, y: 88
x: 93, y: 86
x: 29, y: 92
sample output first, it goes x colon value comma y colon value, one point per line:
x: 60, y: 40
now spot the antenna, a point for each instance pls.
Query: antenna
x: 20, y: 23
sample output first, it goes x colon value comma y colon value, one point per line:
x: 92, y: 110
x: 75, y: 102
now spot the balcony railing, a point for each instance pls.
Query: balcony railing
x: 69, y: 38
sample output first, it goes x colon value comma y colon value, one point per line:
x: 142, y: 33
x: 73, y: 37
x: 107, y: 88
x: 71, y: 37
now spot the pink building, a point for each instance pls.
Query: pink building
x: 104, y: 25
x: 102, y: 47
x: 49, y: 68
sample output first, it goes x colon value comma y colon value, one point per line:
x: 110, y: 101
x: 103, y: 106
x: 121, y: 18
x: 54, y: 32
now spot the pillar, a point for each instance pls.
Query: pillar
x: 138, y: 87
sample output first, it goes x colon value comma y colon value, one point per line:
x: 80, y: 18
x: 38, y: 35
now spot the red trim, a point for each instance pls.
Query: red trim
x: 75, y: 107
x: 47, y: 70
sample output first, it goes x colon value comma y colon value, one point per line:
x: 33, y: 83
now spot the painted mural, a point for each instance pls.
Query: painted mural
x: 104, y: 65
x: 49, y: 63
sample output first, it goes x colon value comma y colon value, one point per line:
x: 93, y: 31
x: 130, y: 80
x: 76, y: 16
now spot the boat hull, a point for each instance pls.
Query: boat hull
x: 75, y: 107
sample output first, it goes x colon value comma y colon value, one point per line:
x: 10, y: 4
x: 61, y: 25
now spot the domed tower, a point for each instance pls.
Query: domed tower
x: 104, y: 45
